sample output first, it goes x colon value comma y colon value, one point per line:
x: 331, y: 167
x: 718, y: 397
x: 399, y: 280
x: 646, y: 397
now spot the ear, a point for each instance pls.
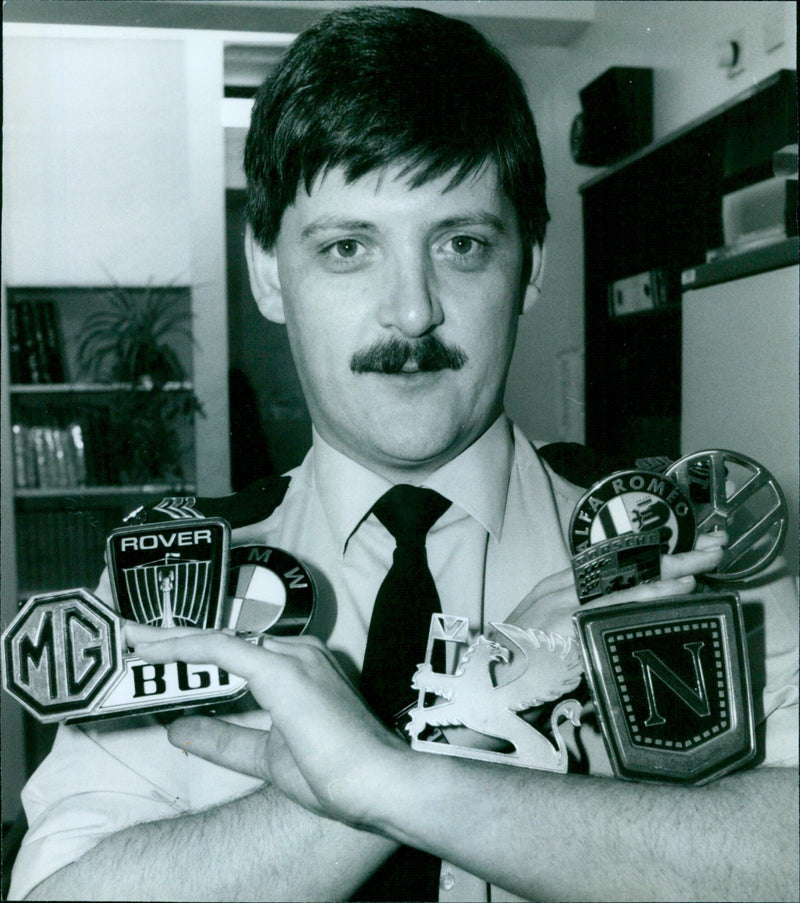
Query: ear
x: 264, y: 283
x: 537, y: 277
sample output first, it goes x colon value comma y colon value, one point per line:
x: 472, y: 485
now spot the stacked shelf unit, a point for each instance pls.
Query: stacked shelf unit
x: 659, y: 212
x: 75, y: 476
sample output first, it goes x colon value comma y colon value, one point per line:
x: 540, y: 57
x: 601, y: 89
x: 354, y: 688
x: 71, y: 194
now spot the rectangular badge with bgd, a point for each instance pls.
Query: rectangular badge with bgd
x: 63, y: 660
x: 671, y: 684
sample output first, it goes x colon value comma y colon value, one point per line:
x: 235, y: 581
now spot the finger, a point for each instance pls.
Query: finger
x: 135, y: 633
x: 241, y: 749
x: 646, y: 592
x: 207, y: 648
x: 686, y: 563
x: 292, y: 644
x: 555, y: 582
x: 714, y: 539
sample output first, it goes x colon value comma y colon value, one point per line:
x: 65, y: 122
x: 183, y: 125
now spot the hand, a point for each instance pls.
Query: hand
x: 326, y: 750
x: 551, y: 603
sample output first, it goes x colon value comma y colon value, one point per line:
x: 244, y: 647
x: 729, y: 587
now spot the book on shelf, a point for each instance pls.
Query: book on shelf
x: 48, y: 456
x: 36, y: 355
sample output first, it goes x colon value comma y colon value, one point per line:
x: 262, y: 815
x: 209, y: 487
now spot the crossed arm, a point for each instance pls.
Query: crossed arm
x: 343, y: 792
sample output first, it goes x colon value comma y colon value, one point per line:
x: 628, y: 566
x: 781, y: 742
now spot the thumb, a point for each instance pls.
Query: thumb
x: 241, y: 749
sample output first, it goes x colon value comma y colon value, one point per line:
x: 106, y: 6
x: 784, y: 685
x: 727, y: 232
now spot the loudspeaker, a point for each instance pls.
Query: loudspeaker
x: 616, y: 117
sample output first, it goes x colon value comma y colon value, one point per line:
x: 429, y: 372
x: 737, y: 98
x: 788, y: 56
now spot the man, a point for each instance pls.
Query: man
x: 397, y: 218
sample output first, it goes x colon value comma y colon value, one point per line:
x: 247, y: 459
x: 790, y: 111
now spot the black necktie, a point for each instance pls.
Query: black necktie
x: 398, y: 636
x: 398, y: 630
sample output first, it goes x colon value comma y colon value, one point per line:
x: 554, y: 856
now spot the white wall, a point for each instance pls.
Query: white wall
x: 113, y: 170
x: 95, y: 162
x: 677, y: 39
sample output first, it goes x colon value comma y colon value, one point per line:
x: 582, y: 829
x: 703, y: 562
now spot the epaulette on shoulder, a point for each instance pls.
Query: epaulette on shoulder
x: 577, y: 463
x: 248, y: 506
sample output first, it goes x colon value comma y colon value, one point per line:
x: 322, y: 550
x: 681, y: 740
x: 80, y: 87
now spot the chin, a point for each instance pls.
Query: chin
x: 408, y: 451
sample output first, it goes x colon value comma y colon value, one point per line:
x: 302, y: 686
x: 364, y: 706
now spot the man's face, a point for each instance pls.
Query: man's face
x: 401, y: 306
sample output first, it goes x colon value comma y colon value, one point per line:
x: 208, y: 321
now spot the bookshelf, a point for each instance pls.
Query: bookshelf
x: 656, y: 215
x: 87, y: 449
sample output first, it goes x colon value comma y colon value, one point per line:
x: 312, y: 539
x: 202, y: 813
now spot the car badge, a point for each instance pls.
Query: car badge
x: 671, y: 686
x: 494, y: 679
x: 61, y: 653
x: 633, y: 501
x: 732, y: 492
x: 268, y: 591
x: 617, y: 564
x: 170, y: 574
x: 63, y: 659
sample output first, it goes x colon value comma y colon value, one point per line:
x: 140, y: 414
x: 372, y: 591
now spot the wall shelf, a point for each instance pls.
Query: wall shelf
x: 87, y: 388
x: 104, y: 492
x: 85, y: 453
x: 661, y: 210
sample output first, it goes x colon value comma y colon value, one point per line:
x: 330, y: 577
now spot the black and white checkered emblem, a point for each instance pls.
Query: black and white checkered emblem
x: 170, y: 574
x: 269, y: 591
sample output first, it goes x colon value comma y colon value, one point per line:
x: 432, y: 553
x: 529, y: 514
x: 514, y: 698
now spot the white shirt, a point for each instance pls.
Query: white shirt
x: 503, y: 533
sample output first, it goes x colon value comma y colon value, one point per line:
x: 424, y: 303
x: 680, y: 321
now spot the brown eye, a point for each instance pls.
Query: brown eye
x: 346, y: 248
x: 463, y: 244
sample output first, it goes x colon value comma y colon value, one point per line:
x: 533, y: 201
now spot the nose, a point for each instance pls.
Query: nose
x: 410, y: 302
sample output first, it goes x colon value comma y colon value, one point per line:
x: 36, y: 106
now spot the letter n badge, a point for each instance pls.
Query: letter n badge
x: 671, y: 684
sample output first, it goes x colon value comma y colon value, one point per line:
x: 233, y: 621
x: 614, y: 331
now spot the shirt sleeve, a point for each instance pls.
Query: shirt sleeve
x: 99, y: 780
x: 86, y: 790
x: 770, y: 608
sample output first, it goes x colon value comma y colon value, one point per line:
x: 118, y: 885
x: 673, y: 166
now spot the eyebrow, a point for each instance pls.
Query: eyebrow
x: 327, y: 223
x: 478, y: 218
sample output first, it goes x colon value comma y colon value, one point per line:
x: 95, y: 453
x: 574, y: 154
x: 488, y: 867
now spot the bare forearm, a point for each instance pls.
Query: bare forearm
x: 260, y: 847
x: 572, y: 837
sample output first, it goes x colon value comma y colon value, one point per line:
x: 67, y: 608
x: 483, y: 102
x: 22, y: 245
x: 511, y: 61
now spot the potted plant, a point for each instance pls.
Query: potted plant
x: 129, y: 342
x: 127, y: 339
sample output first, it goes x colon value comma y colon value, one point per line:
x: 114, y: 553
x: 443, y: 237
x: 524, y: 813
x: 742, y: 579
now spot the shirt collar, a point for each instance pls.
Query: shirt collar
x: 476, y: 482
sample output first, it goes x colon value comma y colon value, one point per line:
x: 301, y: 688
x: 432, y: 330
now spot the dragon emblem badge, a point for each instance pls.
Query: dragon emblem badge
x: 496, y: 680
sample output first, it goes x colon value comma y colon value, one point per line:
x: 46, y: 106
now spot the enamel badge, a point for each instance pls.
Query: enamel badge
x: 61, y: 653
x: 633, y: 501
x: 671, y: 685
x: 63, y: 659
x: 170, y: 574
x: 495, y: 680
x: 268, y: 591
x: 617, y: 564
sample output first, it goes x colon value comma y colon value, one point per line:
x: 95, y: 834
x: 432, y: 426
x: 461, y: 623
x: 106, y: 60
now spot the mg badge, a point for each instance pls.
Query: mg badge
x: 633, y: 501
x: 269, y: 591
x: 170, y: 574
x: 671, y: 685
x: 61, y: 653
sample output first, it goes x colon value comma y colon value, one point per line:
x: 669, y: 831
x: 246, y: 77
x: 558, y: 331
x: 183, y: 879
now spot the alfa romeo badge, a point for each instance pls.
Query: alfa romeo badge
x: 616, y: 564
x: 170, y: 574
x: 633, y: 501
x: 671, y: 685
x: 268, y: 591
x: 732, y: 492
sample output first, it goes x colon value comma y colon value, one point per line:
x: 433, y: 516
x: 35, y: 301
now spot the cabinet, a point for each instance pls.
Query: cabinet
x: 660, y: 212
x: 85, y: 450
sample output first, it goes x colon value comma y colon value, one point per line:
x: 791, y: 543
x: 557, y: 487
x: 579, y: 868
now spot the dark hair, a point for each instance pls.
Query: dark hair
x: 367, y: 87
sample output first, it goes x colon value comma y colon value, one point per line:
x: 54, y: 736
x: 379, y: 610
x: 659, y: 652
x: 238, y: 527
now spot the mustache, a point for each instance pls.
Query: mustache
x: 428, y: 354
